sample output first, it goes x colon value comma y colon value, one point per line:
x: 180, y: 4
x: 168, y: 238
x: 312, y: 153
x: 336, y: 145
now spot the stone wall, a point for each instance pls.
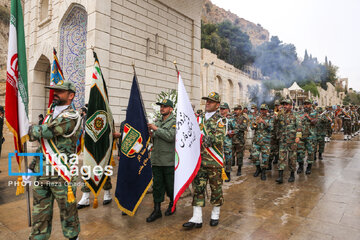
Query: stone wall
x: 149, y: 33
x: 221, y: 77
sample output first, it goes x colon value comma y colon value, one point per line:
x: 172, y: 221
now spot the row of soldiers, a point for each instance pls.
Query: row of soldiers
x: 283, y: 136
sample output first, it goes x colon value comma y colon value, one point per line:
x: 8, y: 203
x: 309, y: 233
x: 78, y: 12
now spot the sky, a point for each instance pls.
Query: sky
x: 324, y: 27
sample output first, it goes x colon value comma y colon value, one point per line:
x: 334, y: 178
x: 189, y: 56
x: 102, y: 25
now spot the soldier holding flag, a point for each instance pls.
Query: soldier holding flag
x: 213, y: 129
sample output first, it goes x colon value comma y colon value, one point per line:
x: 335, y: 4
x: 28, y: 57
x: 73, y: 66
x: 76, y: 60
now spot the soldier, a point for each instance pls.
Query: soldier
x: 329, y: 123
x: 230, y: 126
x: 238, y: 140
x: 274, y: 138
x: 252, y: 115
x: 338, y: 120
x: 346, y: 115
x: 163, y: 158
x: 308, y: 119
x: 321, y: 131
x: 213, y: 127
x: 353, y: 115
x: 263, y: 126
x: 290, y: 132
x: 61, y: 129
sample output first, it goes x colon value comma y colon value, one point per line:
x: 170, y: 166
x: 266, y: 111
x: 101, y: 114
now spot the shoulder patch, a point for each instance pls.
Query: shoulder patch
x: 220, y: 124
x: 174, y: 126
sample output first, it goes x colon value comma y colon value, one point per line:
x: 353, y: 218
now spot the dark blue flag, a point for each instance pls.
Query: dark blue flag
x: 134, y: 174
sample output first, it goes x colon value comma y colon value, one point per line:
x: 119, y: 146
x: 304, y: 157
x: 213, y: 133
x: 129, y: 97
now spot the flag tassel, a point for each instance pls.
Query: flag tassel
x: 70, y: 195
x: 95, y: 205
x: 223, y: 174
x: 20, y: 188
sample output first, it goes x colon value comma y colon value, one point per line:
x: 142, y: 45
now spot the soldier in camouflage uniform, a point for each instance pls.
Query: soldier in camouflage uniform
x: 353, y: 115
x: 63, y: 128
x: 274, y: 138
x: 238, y: 140
x: 252, y: 115
x: 263, y: 127
x: 330, y: 121
x: 213, y: 128
x: 308, y: 119
x: 321, y: 132
x: 347, y: 123
x: 230, y: 126
x: 290, y: 132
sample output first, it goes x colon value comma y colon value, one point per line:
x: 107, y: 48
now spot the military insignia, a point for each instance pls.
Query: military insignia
x: 212, y: 94
x: 164, y: 101
x: 220, y: 124
x: 201, y: 126
x: 174, y: 126
x: 131, y: 141
x: 61, y: 82
x: 97, y: 124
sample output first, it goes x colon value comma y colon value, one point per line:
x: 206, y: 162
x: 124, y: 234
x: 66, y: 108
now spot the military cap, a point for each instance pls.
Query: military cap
x: 224, y: 106
x: 277, y: 102
x: 288, y: 101
x: 63, y: 85
x: 264, y: 107
x: 253, y: 106
x: 166, y: 102
x: 307, y: 101
x: 237, y: 106
x: 320, y: 109
x: 213, y: 96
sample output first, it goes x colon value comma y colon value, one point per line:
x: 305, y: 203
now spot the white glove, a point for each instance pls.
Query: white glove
x: 27, y: 178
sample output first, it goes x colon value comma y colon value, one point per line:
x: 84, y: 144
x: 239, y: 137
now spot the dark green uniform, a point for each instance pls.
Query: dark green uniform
x: 261, y: 141
x: 163, y: 158
x: 238, y: 140
x: 54, y: 187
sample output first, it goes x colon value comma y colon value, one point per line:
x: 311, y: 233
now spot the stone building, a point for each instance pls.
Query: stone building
x: 230, y: 82
x: 149, y: 33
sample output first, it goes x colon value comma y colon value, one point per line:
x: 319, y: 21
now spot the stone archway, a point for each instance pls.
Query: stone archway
x: 230, y: 92
x: 72, y: 54
x: 219, y: 86
x: 40, y: 95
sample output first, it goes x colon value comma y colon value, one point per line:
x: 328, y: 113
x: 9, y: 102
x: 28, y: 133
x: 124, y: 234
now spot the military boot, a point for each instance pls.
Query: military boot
x: 300, y: 168
x: 263, y: 174
x: 269, y: 167
x: 258, y: 171
x: 168, y: 211
x: 228, y: 176
x: 233, y: 162
x: 320, y: 156
x: 314, y: 156
x: 156, y: 213
x: 308, y: 169
x: 280, y: 179
x: 239, y: 171
x: 292, y: 177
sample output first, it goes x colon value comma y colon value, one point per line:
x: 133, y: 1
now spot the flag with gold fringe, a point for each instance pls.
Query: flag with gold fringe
x: 99, y: 128
x: 134, y: 174
x: 56, y: 76
x: 16, y: 99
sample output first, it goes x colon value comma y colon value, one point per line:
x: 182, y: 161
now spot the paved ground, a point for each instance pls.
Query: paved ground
x: 324, y: 205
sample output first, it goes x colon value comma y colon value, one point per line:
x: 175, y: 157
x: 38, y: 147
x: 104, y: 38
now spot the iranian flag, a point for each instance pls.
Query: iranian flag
x: 187, y: 146
x: 16, y: 100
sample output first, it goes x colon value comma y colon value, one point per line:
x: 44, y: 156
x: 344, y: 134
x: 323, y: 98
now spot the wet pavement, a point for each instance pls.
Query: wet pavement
x: 323, y: 205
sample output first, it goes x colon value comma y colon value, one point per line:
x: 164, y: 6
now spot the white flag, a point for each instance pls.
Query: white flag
x: 187, y: 146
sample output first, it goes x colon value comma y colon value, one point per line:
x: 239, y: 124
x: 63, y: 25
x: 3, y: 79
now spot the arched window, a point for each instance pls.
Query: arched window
x: 72, y: 54
x: 44, y: 10
x: 219, y: 86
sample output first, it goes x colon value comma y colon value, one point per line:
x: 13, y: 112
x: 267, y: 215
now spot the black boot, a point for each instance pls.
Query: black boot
x: 276, y: 160
x: 320, y: 156
x: 258, y: 171
x: 263, y: 174
x: 300, y: 168
x: 314, y: 156
x: 228, y: 176
x: 156, y: 213
x: 308, y: 169
x: 239, y: 171
x: 270, y: 166
x: 280, y: 178
x: 292, y: 177
x: 168, y: 211
x: 233, y: 162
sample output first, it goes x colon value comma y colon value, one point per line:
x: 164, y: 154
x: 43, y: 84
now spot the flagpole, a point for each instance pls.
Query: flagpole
x: 177, y: 71
x: 27, y: 187
x: 142, y: 101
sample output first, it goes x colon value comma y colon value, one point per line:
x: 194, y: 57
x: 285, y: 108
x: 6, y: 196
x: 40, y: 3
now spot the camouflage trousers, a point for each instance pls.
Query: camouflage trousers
x: 347, y: 127
x: 228, y: 158
x: 261, y: 153
x: 287, y: 156
x: 328, y: 130
x: 48, y: 190
x: 107, y: 185
x: 306, y: 145
x: 238, y: 153
x: 213, y: 174
x: 319, y: 144
x: 274, y: 147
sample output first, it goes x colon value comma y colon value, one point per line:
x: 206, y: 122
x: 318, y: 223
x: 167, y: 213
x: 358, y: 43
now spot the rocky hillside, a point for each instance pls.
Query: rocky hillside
x: 214, y: 14
x: 4, y: 34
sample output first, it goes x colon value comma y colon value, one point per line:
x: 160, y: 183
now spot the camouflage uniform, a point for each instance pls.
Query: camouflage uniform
x: 54, y: 187
x: 230, y: 126
x: 274, y: 139
x: 238, y: 140
x: 307, y: 142
x: 288, y: 127
x: 262, y: 139
x: 330, y: 119
x: 321, y: 131
x: 347, y: 123
x: 210, y: 170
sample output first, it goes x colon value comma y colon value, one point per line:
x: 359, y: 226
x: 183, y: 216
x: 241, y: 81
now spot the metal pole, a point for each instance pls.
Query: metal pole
x: 142, y: 101
x: 27, y: 188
